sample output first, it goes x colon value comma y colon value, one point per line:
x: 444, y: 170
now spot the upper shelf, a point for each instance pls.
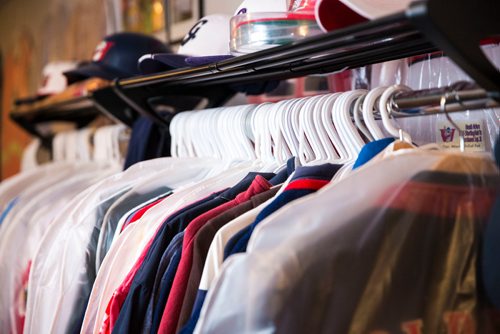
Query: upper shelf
x: 426, y: 26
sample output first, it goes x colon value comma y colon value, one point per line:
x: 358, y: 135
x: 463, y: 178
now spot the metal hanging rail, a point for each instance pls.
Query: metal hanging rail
x: 460, y: 97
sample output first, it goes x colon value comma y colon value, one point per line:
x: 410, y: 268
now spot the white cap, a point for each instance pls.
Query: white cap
x: 262, y: 6
x: 53, y: 79
x: 208, y: 37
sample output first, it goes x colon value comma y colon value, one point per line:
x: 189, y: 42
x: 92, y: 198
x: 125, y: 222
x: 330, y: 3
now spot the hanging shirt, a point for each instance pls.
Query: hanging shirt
x: 163, y: 284
x: 116, y: 303
x: 402, y: 258
x: 132, y: 313
x: 121, y: 208
x: 129, y: 245
x: 192, y: 304
x: 370, y: 150
x: 173, y: 307
x: 306, y: 180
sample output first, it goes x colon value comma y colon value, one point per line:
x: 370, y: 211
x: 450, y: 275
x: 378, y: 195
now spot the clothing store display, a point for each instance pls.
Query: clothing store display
x: 369, y: 205
x: 375, y: 232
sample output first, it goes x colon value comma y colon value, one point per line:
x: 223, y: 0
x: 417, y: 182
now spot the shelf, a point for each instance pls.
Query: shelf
x: 426, y: 26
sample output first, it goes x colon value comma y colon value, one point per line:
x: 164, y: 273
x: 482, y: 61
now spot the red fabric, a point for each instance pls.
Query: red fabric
x: 436, y: 201
x: 334, y: 15
x: 139, y: 213
x: 172, y: 310
x: 120, y: 294
x: 21, y: 299
x: 309, y: 184
x: 116, y: 302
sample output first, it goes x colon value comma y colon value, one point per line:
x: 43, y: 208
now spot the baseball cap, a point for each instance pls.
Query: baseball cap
x: 335, y: 14
x: 207, y: 41
x: 54, y: 80
x: 373, y: 9
x: 116, y: 57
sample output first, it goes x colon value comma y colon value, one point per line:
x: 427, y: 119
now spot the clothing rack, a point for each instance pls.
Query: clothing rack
x: 426, y: 26
x: 459, y: 97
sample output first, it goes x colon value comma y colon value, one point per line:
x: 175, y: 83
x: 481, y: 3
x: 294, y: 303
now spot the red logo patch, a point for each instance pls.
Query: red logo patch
x: 101, y: 50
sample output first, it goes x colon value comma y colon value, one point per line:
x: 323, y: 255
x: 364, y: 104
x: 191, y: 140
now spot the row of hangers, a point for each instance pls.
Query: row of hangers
x: 324, y: 128
x: 106, y: 144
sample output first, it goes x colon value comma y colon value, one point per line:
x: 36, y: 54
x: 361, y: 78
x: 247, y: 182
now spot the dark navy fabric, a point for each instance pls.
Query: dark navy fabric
x: 491, y: 247
x: 165, y: 262
x: 147, y: 141
x: 131, y: 317
x: 165, y: 279
x: 238, y: 243
x: 195, y: 315
x: 370, y: 150
x: 282, y: 175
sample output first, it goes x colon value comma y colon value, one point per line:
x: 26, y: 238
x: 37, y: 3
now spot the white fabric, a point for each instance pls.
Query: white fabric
x: 24, y: 233
x: 59, y: 268
x: 442, y: 71
x: 33, y: 183
x: 124, y: 252
x: 13, y: 186
x: 255, y: 283
x: 29, y: 160
x: 171, y: 177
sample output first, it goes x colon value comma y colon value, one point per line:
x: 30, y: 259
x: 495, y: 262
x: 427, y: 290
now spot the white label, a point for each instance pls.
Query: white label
x: 449, y: 138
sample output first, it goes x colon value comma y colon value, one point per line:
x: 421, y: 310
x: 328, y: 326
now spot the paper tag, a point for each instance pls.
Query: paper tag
x: 449, y: 138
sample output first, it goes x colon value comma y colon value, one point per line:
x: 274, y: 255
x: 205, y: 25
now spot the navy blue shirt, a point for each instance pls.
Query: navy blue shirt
x: 163, y: 283
x: 238, y: 243
x: 133, y: 311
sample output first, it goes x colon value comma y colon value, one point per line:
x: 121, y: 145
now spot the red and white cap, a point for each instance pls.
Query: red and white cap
x: 54, y: 80
x: 372, y: 9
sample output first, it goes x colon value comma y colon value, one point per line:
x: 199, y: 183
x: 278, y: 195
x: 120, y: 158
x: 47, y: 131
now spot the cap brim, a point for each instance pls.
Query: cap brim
x: 92, y: 70
x: 200, y: 61
x: 161, y: 62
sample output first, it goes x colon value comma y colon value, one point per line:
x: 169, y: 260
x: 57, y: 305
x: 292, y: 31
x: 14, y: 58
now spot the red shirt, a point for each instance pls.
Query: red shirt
x: 172, y: 310
x: 120, y: 294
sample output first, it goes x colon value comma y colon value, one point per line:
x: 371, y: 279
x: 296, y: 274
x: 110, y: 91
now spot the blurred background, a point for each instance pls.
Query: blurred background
x: 34, y: 33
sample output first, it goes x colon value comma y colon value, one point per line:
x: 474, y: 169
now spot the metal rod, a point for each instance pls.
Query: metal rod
x: 426, y: 102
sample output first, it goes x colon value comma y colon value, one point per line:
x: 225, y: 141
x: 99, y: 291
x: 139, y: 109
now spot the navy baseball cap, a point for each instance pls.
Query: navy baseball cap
x: 117, y: 56
x: 206, y: 42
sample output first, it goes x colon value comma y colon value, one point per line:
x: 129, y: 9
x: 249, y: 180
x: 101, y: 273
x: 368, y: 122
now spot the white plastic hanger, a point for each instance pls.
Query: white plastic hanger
x: 346, y: 130
x: 369, y: 104
x: 358, y: 120
x: 384, y: 113
x: 331, y: 130
x: 321, y: 129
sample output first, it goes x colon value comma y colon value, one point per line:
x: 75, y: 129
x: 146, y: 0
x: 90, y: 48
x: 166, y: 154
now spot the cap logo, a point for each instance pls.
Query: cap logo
x: 101, y: 50
x: 194, y: 30
x: 242, y: 11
